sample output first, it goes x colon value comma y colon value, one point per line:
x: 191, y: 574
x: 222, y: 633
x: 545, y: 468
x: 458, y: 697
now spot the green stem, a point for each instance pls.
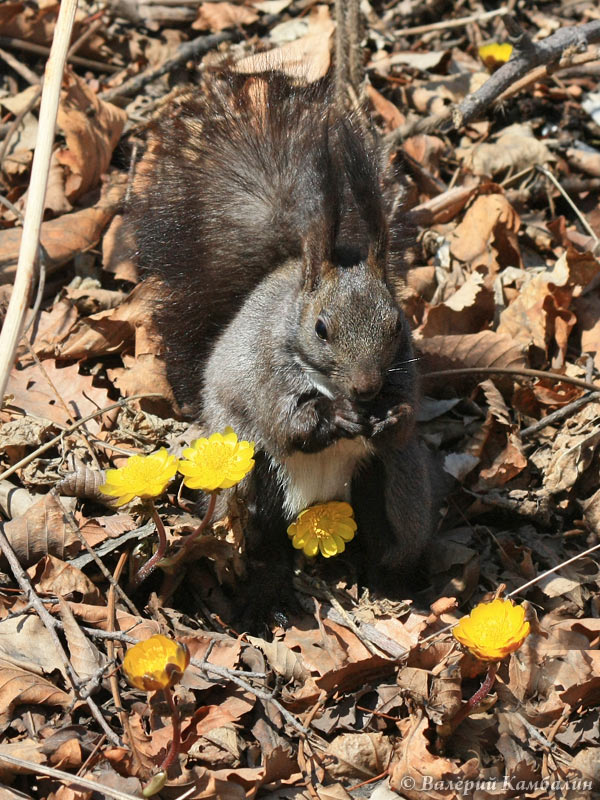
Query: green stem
x: 148, y: 568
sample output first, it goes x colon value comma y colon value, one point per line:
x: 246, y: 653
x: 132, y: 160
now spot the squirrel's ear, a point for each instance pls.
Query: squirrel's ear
x: 316, y: 257
x: 363, y: 178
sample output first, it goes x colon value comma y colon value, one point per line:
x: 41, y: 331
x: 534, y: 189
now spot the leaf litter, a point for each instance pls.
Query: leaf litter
x: 354, y: 698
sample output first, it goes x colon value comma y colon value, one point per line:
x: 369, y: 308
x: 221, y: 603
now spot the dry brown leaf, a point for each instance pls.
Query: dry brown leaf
x: 85, y: 657
x: 54, y: 576
x: 91, y: 128
x: 588, y: 162
x: 468, y: 310
x: 495, y: 401
x: 64, y: 237
x: 218, y: 16
x: 43, y: 529
x: 484, y: 349
x: 587, y: 311
x: 32, y: 23
x: 117, y: 249
x: 307, y: 59
x: 36, y: 396
x: 442, y: 208
x: 416, y: 769
x: 224, y: 652
x: 283, y: 661
x: 432, y: 97
x: 146, y: 374
x: 53, y: 326
x: 426, y: 151
x: 586, y: 763
x: 540, y: 313
x: 26, y: 643
x: 111, y: 331
x: 507, y: 464
x: 390, y: 113
x: 97, y: 615
x: 487, y: 236
x: 20, y: 686
x: 433, y: 60
x: 572, y: 455
x: 83, y: 482
x: 516, y: 148
x: 25, y: 749
x: 359, y: 755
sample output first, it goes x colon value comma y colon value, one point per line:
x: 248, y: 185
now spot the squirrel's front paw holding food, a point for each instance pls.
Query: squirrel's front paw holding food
x: 401, y: 417
x: 321, y: 421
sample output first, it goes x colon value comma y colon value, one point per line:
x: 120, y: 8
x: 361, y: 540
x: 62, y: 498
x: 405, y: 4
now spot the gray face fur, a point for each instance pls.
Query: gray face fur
x: 351, y: 332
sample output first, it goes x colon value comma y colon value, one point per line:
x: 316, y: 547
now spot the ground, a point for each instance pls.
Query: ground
x: 356, y: 696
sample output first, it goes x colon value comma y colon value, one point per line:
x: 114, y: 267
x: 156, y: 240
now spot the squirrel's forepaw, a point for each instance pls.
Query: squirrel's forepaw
x: 349, y: 421
x: 401, y: 415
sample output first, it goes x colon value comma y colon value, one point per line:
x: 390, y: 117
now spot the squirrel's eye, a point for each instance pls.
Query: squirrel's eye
x: 321, y: 329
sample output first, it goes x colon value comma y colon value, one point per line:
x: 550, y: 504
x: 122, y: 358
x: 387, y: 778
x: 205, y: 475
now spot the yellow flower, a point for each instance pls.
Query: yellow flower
x: 326, y: 528
x: 142, y: 476
x: 157, y: 663
x: 493, y: 630
x: 494, y: 55
x: 218, y: 462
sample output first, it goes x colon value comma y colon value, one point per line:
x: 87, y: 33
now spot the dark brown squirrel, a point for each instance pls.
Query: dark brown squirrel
x: 259, y: 209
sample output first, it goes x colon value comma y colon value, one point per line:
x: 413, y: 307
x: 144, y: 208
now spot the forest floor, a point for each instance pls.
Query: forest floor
x: 357, y: 696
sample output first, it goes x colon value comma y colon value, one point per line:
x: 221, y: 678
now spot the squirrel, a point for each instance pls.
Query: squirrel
x: 259, y: 210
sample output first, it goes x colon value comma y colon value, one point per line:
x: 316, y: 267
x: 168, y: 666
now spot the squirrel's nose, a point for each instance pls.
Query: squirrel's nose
x: 367, y: 388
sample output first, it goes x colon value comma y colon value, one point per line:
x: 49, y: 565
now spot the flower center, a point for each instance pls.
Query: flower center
x: 143, y: 471
x: 320, y: 526
x: 494, y: 630
x: 216, y: 458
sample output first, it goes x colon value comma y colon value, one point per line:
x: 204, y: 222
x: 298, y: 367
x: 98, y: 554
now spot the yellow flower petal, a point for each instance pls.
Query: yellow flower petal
x: 156, y: 663
x: 494, y: 55
x: 142, y: 476
x: 217, y: 462
x: 493, y: 630
x: 323, y: 528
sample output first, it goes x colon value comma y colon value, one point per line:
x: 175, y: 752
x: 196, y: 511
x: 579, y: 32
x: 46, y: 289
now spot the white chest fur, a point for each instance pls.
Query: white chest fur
x: 310, y: 478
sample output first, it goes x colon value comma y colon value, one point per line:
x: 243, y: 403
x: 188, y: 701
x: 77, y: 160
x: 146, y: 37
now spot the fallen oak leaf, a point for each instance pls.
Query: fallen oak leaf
x: 42, y: 530
x: 65, y: 236
x: 92, y: 128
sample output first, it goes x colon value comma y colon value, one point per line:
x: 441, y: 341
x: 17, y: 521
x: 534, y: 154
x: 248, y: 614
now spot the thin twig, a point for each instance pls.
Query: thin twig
x: 266, y: 697
x: 550, y: 571
x: 185, y: 52
x: 578, y: 213
x: 96, y: 558
x: 519, y: 589
x: 559, y: 414
x: 49, y: 623
x: 443, y: 25
x: 31, y: 47
x: 69, y: 429
x: 66, y: 777
x: 21, y: 69
x: 17, y: 307
x: 113, y: 680
x: 546, y: 52
x: 516, y: 371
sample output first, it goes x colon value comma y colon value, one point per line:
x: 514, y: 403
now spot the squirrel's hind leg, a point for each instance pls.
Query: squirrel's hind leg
x: 391, y: 497
x: 267, y: 596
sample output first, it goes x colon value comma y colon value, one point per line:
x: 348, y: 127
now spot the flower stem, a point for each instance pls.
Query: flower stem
x: 474, y: 701
x: 192, y: 537
x: 176, y: 740
x: 148, y: 568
